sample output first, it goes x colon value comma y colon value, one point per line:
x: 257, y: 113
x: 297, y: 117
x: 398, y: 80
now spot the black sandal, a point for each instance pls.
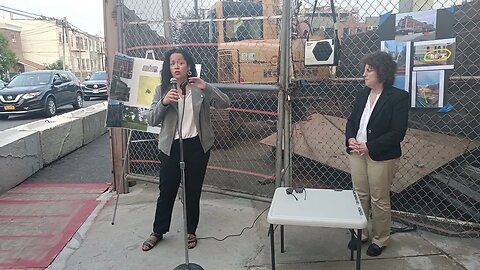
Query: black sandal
x: 150, y: 242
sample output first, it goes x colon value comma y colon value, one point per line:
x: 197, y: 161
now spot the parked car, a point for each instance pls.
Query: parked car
x: 40, y: 91
x: 96, y: 85
x: 2, y: 84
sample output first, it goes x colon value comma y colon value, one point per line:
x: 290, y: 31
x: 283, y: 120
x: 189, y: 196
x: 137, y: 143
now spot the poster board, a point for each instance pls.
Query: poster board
x: 423, y: 46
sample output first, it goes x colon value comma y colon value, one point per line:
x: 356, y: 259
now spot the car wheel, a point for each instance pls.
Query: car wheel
x: 86, y: 98
x: 3, y: 116
x: 78, y: 101
x: 50, y: 107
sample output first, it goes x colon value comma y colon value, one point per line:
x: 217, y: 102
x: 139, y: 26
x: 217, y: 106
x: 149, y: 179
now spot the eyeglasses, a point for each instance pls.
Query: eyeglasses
x: 297, y: 190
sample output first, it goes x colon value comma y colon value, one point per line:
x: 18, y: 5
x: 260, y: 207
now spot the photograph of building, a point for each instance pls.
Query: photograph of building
x: 416, y: 26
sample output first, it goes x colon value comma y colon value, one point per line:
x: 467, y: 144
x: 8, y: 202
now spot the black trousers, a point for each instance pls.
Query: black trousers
x: 196, y: 161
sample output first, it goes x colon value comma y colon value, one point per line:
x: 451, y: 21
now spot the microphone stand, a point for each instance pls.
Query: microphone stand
x: 187, y: 265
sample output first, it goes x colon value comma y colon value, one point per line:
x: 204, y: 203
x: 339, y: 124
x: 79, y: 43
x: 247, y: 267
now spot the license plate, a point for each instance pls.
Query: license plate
x: 9, y: 108
x: 95, y: 91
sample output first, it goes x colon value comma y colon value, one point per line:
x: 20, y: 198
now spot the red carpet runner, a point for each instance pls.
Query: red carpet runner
x: 37, y: 220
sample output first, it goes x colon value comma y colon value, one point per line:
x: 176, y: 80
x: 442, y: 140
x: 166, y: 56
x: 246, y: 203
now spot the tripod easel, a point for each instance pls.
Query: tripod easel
x: 125, y: 158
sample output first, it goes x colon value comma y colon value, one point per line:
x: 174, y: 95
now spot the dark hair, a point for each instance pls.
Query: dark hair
x: 167, y: 75
x: 383, y: 64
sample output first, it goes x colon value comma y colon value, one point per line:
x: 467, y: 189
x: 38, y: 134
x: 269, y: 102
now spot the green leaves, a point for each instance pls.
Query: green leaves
x: 8, y: 60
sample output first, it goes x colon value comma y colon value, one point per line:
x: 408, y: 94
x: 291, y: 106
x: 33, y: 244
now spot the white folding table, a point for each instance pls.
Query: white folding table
x: 329, y: 208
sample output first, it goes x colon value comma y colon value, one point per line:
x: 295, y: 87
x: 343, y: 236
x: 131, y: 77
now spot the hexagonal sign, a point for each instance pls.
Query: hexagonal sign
x: 322, y: 51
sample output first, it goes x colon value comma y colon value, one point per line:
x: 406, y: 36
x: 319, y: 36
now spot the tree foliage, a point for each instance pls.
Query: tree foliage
x: 8, y: 60
x: 57, y: 65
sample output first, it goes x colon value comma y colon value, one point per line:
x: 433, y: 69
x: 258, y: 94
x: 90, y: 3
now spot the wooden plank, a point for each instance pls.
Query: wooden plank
x: 321, y: 138
x: 118, y: 150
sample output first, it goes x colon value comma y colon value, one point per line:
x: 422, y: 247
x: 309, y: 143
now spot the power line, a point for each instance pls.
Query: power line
x: 43, y: 17
x: 24, y: 13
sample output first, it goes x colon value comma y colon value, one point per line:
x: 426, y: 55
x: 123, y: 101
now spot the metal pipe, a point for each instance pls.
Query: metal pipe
x: 285, y: 50
x: 440, y: 219
x: 121, y: 27
x: 180, y: 20
x: 287, y: 159
x: 246, y: 87
x: 279, y: 141
x: 236, y: 194
x: 206, y: 188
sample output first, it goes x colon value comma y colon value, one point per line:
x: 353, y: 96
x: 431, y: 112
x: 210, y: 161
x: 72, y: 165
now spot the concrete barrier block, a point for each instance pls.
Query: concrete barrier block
x: 20, y: 157
x: 58, y: 136
x: 93, y: 118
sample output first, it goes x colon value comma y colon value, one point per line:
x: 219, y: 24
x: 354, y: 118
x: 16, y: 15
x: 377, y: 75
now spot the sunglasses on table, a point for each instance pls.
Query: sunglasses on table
x: 297, y: 190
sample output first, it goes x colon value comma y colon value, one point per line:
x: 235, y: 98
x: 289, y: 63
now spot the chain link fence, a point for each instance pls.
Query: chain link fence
x: 227, y: 39
x: 437, y: 185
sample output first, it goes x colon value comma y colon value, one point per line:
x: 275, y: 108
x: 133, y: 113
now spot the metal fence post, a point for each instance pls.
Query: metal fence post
x: 285, y: 63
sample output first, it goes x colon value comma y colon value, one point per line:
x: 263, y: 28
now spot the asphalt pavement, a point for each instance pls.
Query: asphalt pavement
x: 89, y: 164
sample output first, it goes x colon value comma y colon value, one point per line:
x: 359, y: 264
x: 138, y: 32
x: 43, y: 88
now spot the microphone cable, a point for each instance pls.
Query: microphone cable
x: 235, y: 235
x: 244, y: 228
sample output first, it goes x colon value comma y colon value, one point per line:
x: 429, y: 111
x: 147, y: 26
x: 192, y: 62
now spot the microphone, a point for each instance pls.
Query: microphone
x: 173, y: 83
x: 183, y: 86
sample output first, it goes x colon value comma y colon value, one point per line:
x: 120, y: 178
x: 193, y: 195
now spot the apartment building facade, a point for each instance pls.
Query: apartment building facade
x: 12, y: 34
x: 348, y: 21
x: 45, y: 41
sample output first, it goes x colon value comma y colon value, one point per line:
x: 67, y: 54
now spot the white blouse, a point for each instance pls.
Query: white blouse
x: 189, y: 130
x: 367, y: 112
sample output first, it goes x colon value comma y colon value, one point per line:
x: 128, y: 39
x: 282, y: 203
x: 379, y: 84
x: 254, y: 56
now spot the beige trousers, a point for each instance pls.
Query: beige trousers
x: 372, y: 181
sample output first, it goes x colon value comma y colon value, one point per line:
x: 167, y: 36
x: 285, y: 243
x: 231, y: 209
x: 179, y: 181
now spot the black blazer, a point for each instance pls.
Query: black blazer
x: 387, y: 125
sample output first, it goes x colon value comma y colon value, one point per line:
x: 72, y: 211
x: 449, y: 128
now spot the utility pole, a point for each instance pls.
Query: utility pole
x: 167, y: 20
x: 195, y: 8
x: 80, y: 62
x: 64, y: 41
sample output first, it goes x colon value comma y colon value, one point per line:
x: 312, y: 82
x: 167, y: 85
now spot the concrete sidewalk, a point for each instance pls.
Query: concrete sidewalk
x: 100, y: 245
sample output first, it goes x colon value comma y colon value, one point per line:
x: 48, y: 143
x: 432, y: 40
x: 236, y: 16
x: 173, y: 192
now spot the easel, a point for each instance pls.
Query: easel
x: 124, y: 166
x: 125, y: 158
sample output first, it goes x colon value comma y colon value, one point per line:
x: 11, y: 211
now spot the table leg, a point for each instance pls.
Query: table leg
x: 359, y: 248
x: 272, y: 245
x: 282, y: 239
x: 352, y: 237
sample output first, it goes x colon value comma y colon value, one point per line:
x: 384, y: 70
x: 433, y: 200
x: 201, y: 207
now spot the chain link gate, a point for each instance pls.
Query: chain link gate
x: 224, y: 38
x: 437, y: 185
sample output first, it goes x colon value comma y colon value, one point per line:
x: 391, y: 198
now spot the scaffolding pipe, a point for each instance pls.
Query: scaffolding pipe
x: 284, y: 112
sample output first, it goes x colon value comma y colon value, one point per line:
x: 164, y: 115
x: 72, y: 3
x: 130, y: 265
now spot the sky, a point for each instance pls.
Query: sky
x: 87, y: 15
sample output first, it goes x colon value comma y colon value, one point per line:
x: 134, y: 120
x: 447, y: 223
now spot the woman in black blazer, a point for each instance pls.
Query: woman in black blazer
x: 373, y: 134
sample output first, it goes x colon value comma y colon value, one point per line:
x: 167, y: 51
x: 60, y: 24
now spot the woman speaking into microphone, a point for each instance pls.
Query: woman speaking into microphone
x: 186, y: 115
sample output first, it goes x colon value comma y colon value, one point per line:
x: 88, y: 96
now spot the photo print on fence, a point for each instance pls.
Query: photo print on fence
x: 434, y: 54
x: 401, y: 54
x: 423, y: 47
x: 428, y: 88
